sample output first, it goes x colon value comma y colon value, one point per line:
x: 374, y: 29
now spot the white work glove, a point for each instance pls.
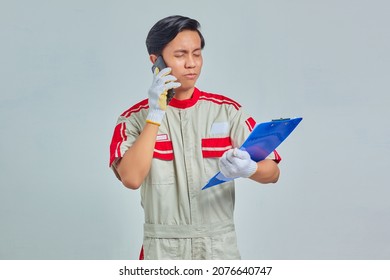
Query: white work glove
x: 162, y: 82
x: 237, y: 163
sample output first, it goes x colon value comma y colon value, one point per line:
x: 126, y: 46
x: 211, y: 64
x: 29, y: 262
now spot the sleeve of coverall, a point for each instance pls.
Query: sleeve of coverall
x: 241, y: 127
x: 125, y: 134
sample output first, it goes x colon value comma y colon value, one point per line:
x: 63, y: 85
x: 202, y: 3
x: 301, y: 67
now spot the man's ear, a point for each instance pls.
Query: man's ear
x: 153, y: 58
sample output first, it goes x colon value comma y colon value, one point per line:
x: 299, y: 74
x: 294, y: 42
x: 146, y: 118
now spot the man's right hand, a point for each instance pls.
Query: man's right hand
x: 162, y: 82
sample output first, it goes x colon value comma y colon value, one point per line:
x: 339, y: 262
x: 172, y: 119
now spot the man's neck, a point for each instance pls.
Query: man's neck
x: 184, y: 94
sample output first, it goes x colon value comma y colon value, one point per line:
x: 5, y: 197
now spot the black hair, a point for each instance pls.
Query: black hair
x: 166, y: 29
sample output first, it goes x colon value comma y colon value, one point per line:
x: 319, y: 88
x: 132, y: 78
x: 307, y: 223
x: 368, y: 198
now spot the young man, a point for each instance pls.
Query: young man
x: 172, y: 150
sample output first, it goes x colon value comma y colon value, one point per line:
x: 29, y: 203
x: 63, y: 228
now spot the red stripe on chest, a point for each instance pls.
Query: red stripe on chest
x: 163, y: 150
x: 215, y: 147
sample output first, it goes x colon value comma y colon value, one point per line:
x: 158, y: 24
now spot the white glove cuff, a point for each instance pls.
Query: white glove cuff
x: 155, y: 116
x: 252, y: 168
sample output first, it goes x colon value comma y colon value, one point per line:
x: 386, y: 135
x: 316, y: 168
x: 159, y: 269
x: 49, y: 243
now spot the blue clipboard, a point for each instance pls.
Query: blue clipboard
x: 262, y: 141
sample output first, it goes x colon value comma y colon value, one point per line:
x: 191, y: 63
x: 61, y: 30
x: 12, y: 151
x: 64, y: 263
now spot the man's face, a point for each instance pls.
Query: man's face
x: 184, y: 55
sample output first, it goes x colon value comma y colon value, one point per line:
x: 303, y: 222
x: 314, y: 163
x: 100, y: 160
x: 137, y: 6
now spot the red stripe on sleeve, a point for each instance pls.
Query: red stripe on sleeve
x: 250, y: 122
x: 141, y: 253
x: 117, y: 139
x: 136, y: 108
x: 278, y: 158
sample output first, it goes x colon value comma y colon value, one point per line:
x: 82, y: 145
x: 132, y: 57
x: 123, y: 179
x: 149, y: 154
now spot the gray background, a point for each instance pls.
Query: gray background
x: 69, y: 68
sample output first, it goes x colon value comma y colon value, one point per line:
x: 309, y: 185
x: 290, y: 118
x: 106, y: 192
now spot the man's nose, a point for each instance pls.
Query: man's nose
x: 190, y: 62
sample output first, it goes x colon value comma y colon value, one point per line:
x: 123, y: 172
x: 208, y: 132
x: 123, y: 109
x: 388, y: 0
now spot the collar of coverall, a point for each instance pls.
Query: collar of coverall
x: 182, y: 104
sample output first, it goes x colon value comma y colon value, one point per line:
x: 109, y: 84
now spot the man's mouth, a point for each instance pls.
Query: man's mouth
x: 191, y: 75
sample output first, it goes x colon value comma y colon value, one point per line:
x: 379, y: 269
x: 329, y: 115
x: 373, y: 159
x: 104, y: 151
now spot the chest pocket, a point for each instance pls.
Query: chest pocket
x: 212, y: 150
x: 162, y: 171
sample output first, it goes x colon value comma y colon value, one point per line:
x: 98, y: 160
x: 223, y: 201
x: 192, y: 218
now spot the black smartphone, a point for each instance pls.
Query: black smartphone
x: 160, y: 64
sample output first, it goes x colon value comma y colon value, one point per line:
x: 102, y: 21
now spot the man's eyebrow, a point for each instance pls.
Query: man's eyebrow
x: 186, y: 51
x: 180, y: 51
